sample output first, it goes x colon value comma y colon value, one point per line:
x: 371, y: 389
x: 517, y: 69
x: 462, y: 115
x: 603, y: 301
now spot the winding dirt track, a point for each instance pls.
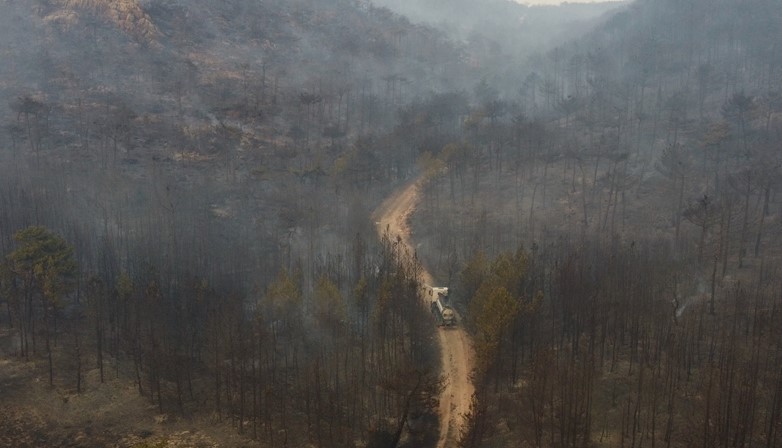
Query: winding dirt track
x: 455, y: 346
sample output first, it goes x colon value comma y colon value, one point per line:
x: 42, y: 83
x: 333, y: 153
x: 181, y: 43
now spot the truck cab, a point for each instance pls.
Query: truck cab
x: 440, y: 305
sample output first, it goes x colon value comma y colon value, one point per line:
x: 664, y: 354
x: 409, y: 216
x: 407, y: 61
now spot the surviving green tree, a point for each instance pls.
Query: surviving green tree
x: 44, y: 266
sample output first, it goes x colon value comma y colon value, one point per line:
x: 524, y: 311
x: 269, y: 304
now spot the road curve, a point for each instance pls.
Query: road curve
x: 455, y: 346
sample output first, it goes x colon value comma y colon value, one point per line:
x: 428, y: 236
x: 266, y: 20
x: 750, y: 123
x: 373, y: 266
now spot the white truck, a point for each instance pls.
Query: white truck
x: 440, y: 306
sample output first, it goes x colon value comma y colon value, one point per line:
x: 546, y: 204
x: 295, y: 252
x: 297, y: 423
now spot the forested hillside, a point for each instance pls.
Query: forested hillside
x: 637, y: 172
x: 498, y: 35
x: 186, y: 189
x: 231, y: 118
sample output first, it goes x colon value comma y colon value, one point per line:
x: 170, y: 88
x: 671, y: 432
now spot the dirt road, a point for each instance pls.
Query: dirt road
x: 455, y: 346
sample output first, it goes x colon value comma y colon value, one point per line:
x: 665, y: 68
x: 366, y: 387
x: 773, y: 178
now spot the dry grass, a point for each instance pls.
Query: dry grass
x: 109, y: 414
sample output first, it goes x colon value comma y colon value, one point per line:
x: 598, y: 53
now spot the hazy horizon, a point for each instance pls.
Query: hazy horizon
x: 558, y: 2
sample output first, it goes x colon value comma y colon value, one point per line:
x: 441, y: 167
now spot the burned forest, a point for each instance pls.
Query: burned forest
x: 382, y: 224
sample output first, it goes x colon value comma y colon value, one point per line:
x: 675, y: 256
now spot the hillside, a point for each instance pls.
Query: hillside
x: 621, y: 213
x: 211, y: 166
x: 188, y: 256
x: 498, y: 36
x: 233, y: 101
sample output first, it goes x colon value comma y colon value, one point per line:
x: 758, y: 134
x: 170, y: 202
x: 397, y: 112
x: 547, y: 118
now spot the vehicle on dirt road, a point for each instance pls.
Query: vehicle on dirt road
x: 440, y: 305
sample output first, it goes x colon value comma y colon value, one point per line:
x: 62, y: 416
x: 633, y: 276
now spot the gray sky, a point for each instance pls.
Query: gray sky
x: 554, y: 2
